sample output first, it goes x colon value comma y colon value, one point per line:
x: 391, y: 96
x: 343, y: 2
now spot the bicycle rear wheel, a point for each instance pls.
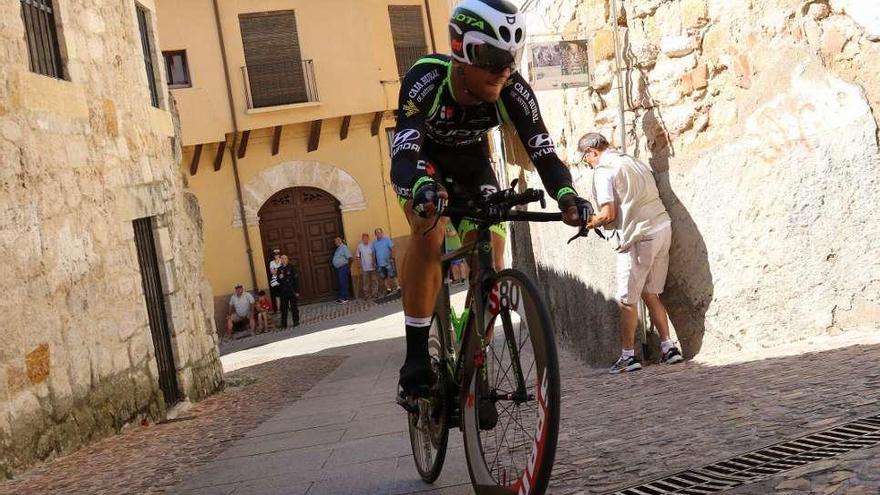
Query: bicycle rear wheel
x: 428, y: 430
x: 510, y: 408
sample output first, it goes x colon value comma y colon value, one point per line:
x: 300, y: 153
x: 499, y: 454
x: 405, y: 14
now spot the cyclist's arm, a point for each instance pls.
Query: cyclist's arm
x: 520, y: 105
x: 418, y: 90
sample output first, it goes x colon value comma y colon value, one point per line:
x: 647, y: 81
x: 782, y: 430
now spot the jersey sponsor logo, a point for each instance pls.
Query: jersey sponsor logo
x: 540, y: 141
x: 470, y: 21
x: 423, y: 86
x: 529, y: 100
x: 511, y: 19
x: 410, y: 108
x: 402, y: 191
x: 487, y: 189
x: 403, y: 141
x: 541, y: 145
x: 458, y: 133
x: 447, y: 112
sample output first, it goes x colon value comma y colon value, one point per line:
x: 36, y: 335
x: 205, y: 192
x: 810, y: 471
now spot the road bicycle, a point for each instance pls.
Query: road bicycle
x: 495, y: 365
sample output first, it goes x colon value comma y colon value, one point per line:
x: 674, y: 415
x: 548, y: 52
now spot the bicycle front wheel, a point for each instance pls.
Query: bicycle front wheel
x: 510, y: 408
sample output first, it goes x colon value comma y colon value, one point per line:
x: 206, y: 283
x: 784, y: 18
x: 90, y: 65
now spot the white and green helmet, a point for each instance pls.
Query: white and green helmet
x: 487, y: 33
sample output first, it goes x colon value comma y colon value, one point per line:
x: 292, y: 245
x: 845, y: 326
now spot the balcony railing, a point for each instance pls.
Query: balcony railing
x: 280, y: 83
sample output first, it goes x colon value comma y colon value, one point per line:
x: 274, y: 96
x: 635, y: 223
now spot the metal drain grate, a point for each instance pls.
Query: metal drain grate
x: 765, y: 462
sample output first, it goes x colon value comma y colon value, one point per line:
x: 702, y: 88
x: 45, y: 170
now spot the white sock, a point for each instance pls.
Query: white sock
x: 413, y: 321
x: 627, y: 353
x: 666, y: 345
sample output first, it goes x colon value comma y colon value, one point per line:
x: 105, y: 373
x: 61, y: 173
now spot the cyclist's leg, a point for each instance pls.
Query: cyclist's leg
x: 423, y: 274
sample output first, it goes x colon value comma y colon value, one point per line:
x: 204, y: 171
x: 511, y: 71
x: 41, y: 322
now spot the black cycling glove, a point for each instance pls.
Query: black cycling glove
x: 425, y: 192
x: 585, y: 209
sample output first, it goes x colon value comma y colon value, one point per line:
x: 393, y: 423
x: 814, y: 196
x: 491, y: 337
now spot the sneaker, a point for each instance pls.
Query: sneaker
x: 339, y: 301
x: 672, y: 356
x: 626, y: 364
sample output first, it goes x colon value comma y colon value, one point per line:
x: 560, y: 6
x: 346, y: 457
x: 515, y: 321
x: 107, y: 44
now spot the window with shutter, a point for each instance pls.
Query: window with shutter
x: 408, y: 33
x: 275, y: 71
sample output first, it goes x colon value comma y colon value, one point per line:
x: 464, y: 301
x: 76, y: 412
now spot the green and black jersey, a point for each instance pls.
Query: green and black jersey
x: 429, y: 117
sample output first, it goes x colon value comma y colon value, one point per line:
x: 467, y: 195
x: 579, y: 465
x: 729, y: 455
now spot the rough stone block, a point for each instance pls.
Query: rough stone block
x: 694, y: 13
x: 687, y: 83
x: 833, y: 40
x: 603, y: 45
x: 742, y: 67
x: 700, y: 76
x: 865, y: 13
x: 16, y: 380
x: 592, y: 14
x: 603, y: 75
x: 676, y: 46
x: 37, y: 364
x: 818, y: 11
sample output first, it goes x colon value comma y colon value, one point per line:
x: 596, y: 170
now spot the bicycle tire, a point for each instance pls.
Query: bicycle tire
x: 429, y: 447
x: 531, y: 456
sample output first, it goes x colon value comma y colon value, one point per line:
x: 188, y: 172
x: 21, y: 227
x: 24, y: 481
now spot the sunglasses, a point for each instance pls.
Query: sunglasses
x: 492, y: 58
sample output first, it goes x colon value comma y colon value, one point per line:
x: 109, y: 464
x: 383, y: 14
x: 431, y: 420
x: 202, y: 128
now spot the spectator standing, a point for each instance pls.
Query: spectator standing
x: 369, y: 277
x: 630, y: 208
x: 383, y: 249
x: 263, y: 307
x: 288, y: 290
x: 241, y: 308
x: 274, y: 263
x: 342, y: 264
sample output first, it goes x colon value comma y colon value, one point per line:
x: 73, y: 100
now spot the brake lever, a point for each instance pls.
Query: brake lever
x: 585, y: 232
x: 441, y: 207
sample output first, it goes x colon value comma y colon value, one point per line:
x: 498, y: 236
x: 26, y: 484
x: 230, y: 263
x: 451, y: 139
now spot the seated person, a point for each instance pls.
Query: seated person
x: 264, y: 307
x: 241, y: 309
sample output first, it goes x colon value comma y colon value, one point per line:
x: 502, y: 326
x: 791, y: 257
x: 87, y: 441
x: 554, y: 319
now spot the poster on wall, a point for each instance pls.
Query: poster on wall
x: 558, y: 64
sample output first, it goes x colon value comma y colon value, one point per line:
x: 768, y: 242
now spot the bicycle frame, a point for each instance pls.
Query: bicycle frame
x: 475, y: 303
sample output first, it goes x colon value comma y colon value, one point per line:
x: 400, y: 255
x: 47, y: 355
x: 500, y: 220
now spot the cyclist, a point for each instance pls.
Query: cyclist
x: 446, y: 106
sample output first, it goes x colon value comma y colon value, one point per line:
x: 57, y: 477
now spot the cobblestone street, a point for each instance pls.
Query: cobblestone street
x: 325, y: 423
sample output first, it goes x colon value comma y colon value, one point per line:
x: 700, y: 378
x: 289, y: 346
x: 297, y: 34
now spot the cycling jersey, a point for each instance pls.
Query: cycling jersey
x: 430, y: 118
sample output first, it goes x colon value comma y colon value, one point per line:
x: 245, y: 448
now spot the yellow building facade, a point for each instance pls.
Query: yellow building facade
x: 286, y: 108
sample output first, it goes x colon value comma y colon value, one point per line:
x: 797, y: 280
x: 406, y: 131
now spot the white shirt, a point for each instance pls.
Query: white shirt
x: 273, y: 266
x: 365, y: 254
x: 241, y: 304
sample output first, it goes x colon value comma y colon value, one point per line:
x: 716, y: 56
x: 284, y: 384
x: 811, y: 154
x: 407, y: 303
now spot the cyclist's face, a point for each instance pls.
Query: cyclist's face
x: 485, y: 84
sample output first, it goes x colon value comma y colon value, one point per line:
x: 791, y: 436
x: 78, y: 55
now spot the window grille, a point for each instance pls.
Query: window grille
x: 44, y: 55
x: 143, y: 25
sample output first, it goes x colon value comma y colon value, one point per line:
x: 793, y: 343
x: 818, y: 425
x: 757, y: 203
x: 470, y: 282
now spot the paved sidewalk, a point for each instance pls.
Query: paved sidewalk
x: 345, y: 435
x: 151, y: 458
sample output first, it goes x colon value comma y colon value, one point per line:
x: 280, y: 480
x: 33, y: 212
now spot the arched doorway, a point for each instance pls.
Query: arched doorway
x: 303, y: 221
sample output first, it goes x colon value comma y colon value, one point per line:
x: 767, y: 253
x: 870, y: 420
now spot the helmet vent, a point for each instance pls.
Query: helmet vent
x: 519, y: 35
x: 505, y: 33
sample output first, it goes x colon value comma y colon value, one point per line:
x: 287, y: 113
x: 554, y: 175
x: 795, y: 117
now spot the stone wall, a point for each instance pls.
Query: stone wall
x: 81, y: 159
x: 759, y: 118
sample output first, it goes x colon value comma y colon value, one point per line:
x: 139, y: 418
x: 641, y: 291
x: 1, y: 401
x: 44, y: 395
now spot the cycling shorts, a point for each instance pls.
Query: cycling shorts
x: 466, y: 173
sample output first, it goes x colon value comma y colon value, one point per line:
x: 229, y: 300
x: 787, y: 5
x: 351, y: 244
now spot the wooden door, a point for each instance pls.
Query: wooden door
x: 302, y: 222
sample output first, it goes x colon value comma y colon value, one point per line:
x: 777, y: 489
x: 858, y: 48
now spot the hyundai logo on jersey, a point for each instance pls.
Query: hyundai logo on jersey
x: 540, y: 141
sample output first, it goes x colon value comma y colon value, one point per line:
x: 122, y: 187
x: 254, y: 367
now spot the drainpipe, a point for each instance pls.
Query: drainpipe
x: 430, y: 26
x: 232, y: 150
x: 619, y: 62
